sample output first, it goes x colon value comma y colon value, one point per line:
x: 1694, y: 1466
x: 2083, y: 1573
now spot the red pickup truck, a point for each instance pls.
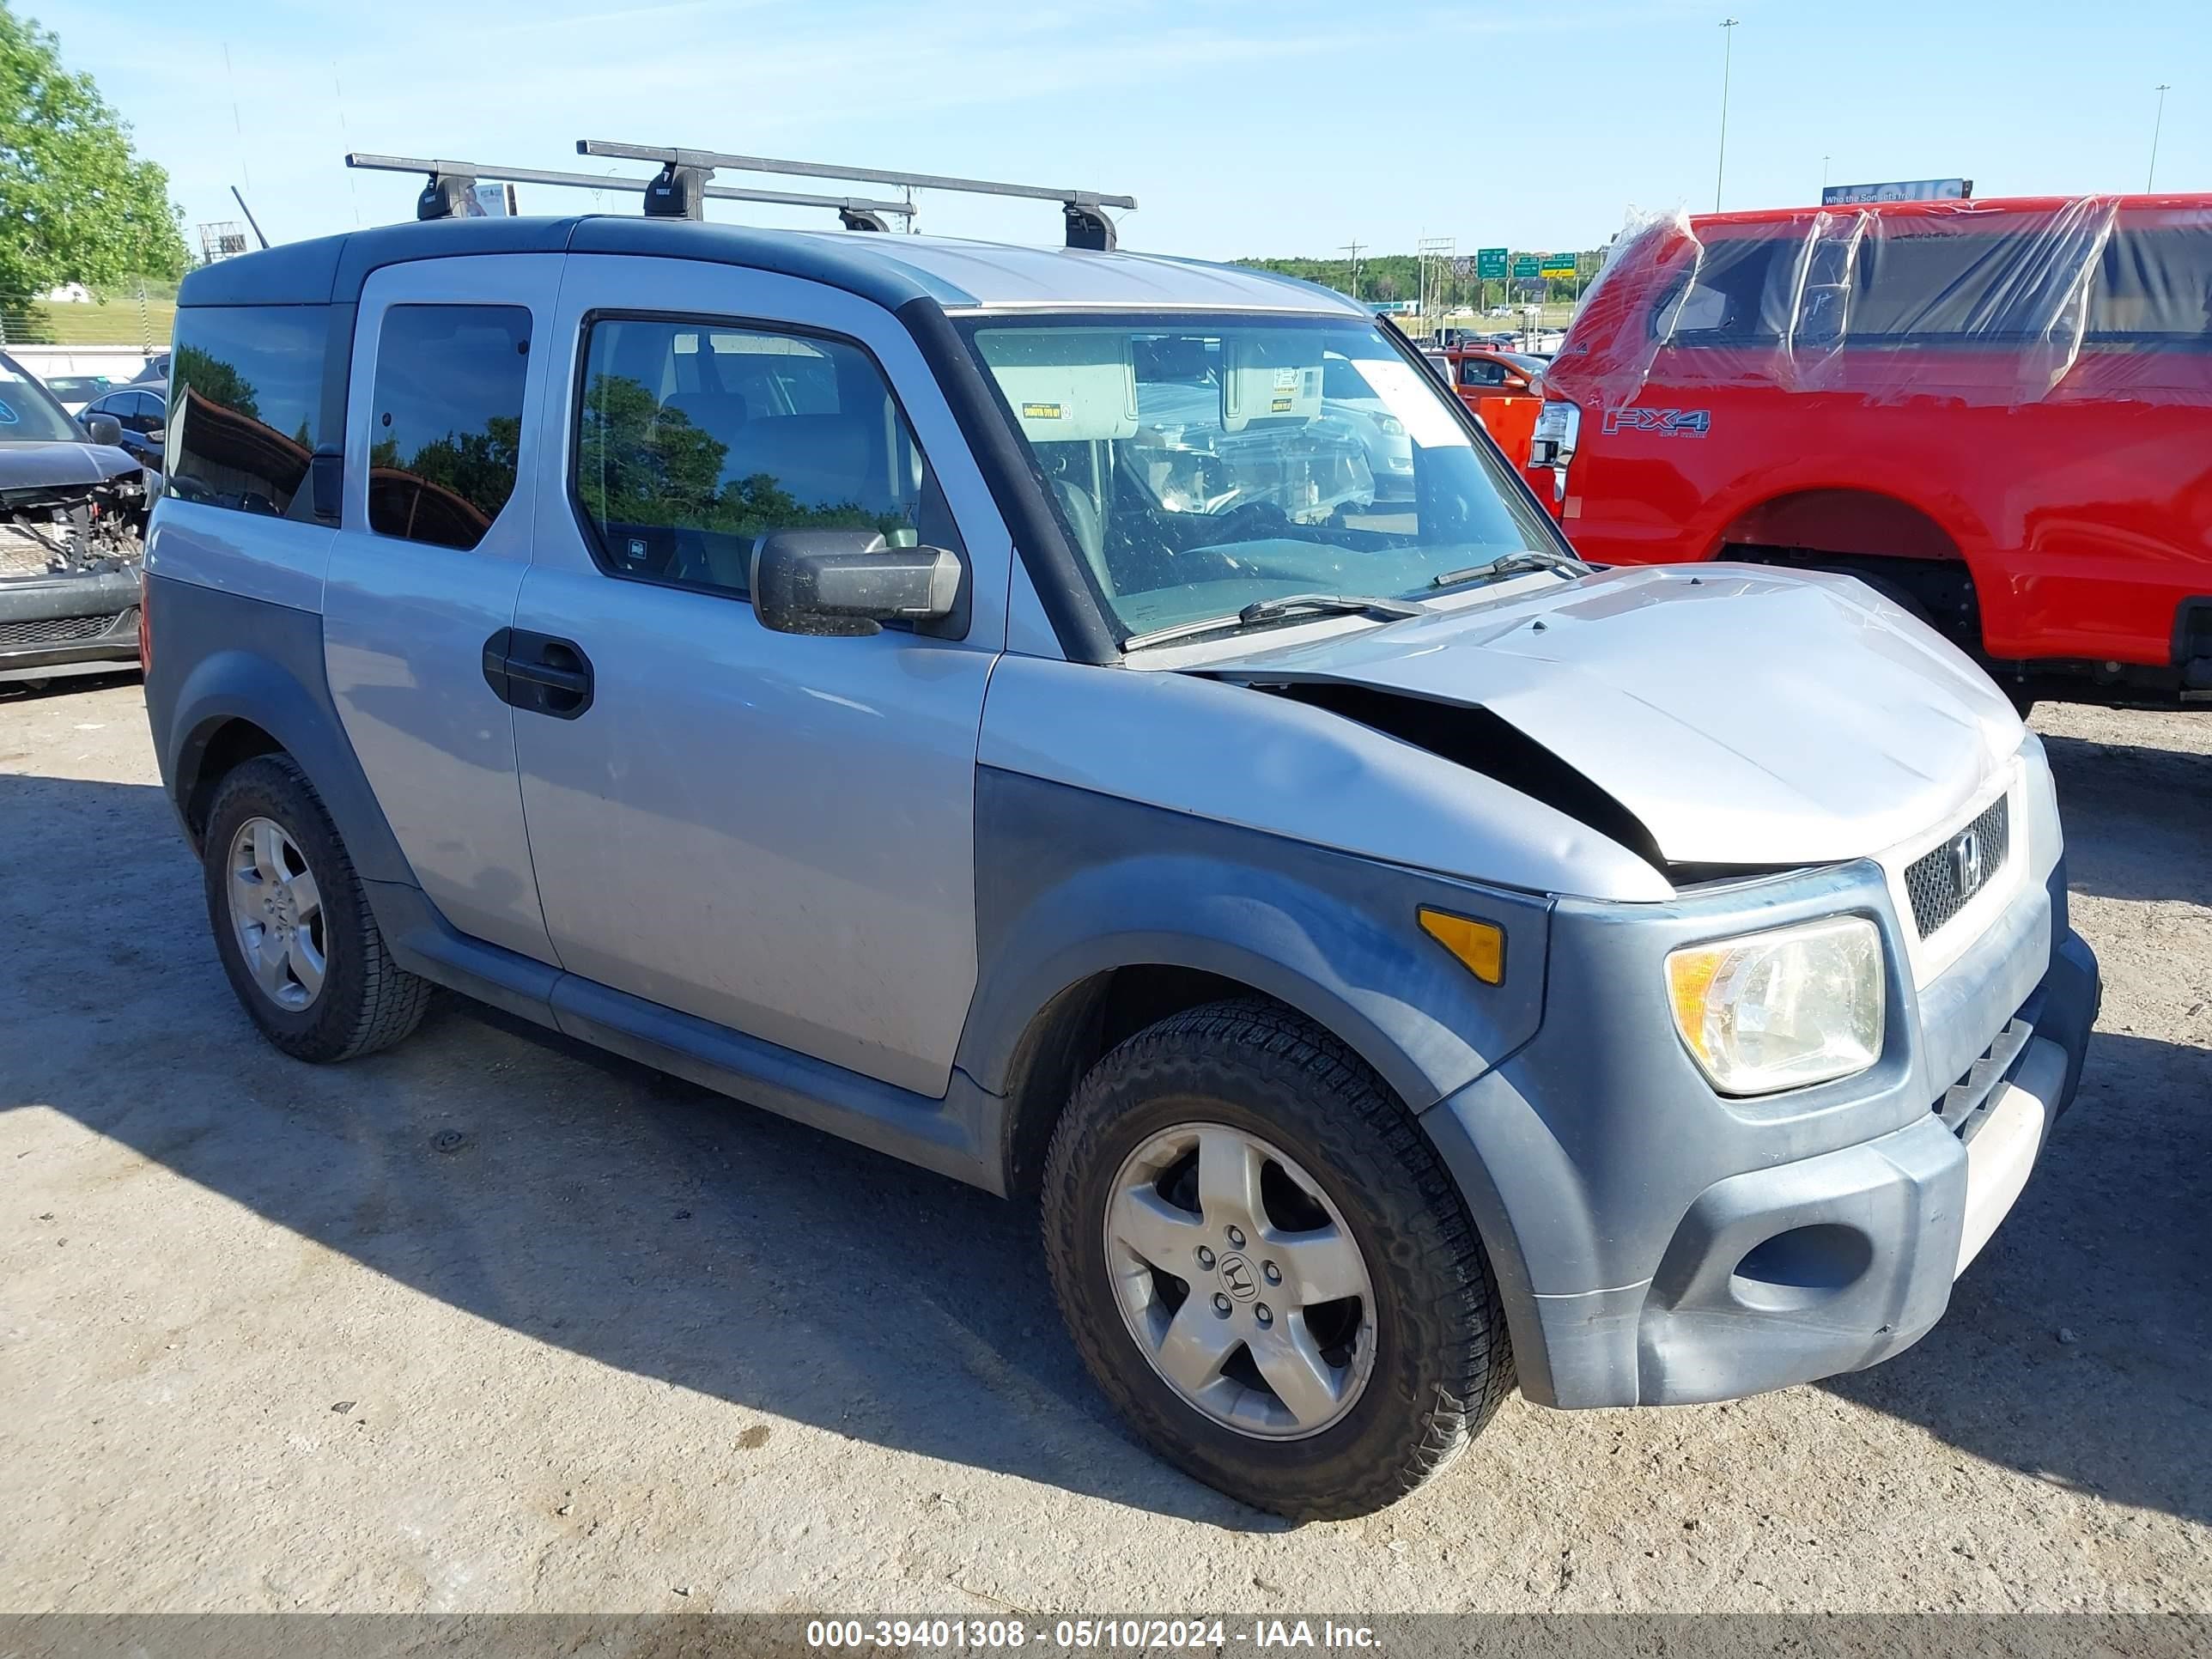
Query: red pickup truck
x: 1998, y: 413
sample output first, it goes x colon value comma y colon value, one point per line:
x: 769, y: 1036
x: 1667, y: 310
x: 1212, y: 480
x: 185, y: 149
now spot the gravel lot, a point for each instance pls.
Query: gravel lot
x: 493, y: 1322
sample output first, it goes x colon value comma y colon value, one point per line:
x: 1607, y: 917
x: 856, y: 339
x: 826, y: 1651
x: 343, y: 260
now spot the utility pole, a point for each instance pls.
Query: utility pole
x: 1728, y: 43
x: 2157, y: 122
x: 1352, y: 248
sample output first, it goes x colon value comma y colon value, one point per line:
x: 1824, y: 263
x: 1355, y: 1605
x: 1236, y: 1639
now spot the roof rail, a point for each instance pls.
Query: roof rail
x: 446, y: 196
x: 684, y: 173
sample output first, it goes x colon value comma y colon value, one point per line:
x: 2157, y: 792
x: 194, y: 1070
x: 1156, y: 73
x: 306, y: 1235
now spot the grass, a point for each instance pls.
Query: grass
x: 134, y: 316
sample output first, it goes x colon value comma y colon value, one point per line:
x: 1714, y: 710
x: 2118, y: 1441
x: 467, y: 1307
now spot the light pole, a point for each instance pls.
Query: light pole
x: 1728, y: 42
x: 1824, y: 175
x: 2157, y: 121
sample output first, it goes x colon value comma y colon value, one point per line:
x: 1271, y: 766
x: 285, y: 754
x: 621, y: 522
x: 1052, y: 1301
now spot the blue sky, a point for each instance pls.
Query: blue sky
x: 1242, y: 126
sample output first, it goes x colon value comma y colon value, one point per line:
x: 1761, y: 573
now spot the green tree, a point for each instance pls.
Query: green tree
x: 76, y: 205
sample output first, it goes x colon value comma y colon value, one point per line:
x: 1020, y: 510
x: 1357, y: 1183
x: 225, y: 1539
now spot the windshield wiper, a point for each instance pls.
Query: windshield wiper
x: 1326, y: 605
x: 1278, y: 609
x: 1512, y: 564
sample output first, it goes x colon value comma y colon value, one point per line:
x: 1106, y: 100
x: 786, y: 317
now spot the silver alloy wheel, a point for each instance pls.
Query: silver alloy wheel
x: 276, y: 913
x: 1238, y: 1344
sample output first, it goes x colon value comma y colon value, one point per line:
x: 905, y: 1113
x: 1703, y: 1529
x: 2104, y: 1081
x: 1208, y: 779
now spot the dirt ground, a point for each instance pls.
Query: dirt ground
x: 491, y: 1321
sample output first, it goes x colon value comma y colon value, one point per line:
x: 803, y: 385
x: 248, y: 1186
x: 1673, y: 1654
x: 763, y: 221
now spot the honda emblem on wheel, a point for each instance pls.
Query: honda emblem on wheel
x: 1236, y: 1278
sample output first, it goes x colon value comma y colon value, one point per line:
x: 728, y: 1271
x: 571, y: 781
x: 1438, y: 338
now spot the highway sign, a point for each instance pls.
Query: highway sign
x: 1912, y: 190
x: 1489, y: 262
x: 1524, y: 267
x: 1560, y: 265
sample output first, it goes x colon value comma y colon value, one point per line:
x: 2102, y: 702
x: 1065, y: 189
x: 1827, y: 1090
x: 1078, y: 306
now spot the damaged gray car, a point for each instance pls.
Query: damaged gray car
x: 72, y: 513
x: 975, y: 701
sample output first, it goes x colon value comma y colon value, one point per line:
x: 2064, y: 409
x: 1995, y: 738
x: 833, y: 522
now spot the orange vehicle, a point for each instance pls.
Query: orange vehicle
x: 1505, y: 390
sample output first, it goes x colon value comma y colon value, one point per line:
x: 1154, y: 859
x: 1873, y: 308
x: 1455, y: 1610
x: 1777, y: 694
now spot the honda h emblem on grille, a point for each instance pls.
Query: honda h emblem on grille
x: 1966, y: 864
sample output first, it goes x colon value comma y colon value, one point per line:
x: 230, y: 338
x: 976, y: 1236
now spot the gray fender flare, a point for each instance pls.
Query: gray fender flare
x: 282, y: 691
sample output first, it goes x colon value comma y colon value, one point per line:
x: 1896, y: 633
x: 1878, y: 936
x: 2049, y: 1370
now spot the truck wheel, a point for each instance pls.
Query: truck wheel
x: 292, y: 925
x: 1265, y: 1267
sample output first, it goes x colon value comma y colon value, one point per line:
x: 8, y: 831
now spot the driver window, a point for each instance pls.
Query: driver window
x: 696, y: 439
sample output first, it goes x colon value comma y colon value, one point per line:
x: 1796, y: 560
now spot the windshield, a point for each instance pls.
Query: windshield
x: 29, y: 413
x: 1203, y: 464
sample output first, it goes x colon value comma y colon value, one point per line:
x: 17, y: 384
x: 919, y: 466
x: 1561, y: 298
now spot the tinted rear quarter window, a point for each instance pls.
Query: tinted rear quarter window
x: 448, y: 409
x: 246, y: 386
x: 2154, y: 287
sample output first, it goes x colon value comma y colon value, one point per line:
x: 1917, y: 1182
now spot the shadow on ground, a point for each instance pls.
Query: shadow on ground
x: 2137, y: 819
x: 602, y: 1207
x: 564, y: 1192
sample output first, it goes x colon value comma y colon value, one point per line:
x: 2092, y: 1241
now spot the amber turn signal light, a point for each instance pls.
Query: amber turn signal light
x: 1480, y: 946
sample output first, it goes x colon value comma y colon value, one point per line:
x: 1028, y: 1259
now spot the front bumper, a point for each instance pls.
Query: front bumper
x: 1656, y: 1244
x: 58, y: 625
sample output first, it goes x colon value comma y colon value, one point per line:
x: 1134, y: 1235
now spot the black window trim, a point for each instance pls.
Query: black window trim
x: 572, y: 466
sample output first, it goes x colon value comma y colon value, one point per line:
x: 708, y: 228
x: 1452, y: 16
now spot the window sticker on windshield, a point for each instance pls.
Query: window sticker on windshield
x: 1428, y: 422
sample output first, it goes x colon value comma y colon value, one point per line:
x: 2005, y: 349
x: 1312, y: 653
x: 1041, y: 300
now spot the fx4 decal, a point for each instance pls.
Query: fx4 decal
x: 1666, y: 422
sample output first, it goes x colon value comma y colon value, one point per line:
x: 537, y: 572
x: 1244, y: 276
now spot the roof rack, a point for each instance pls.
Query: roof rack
x: 452, y: 183
x: 684, y: 172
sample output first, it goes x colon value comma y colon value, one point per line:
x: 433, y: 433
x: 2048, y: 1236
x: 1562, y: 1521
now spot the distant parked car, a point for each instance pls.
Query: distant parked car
x: 142, y: 410
x: 74, y: 391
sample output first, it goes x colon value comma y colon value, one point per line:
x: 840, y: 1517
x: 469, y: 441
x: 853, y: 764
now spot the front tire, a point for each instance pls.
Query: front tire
x: 291, y: 923
x: 1265, y: 1267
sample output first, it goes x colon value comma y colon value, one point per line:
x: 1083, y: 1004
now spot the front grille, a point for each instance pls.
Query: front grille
x: 1934, y: 880
x: 60, y: 630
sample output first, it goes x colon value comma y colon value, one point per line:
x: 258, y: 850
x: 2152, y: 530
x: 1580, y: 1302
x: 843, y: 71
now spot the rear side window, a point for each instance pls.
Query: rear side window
x: 448, y: 414
x: 1949, y: 288
x: 2155, y: 287
x: 245, y: 391
x: 1738, y: 294
x: 696, y: 440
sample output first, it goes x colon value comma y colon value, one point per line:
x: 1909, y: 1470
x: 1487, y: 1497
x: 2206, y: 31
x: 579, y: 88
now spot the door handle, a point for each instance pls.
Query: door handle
x: 539, y: 672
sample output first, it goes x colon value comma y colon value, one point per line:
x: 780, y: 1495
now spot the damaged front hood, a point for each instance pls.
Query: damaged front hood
x: 47, y: 466
x: 1745, y: 716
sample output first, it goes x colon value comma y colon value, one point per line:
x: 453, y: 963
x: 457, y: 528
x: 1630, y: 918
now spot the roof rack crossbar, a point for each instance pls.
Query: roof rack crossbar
x: 1088, y: 226
x: 438, y: 200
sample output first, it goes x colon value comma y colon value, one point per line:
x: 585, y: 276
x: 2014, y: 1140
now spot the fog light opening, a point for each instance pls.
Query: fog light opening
x: 1802, y: 1267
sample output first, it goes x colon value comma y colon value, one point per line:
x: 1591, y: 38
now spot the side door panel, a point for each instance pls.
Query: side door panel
x: 405, y: 623
x: 769, y: 831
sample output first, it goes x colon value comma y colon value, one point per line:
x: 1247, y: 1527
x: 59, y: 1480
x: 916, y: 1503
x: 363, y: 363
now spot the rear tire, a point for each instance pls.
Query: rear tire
x: 1436, y: 1361
x: 292, y: 924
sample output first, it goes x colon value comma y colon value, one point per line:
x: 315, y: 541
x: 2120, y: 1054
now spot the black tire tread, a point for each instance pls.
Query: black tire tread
x: 1477, y: 1373
x: 391, y: 1001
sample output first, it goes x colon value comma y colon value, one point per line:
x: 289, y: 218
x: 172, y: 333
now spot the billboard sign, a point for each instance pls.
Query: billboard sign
x: 489, y: 201
x: 1911, y: 190
x: 1489, y: 262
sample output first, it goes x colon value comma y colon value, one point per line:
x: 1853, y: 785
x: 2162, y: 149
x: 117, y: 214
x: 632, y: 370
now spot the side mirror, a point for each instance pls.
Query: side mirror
x: 850, y: 582
x: 1514, y: 383
x: 103, y: 429
x: 326, y: 482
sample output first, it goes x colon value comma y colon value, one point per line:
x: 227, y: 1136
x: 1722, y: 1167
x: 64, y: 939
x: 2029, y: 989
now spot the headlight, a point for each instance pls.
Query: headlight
x: 1782, y: 1009
x: 1390, y: 426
